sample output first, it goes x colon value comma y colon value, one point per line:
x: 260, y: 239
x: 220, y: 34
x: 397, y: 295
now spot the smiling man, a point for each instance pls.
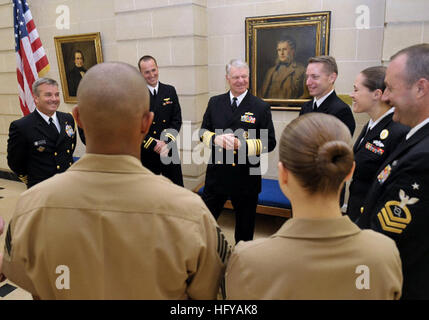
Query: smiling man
x: 238, y: 128
x: 398, y: 200
x: 42, y: 143
x: 159, y: 152
x: 322, y: 71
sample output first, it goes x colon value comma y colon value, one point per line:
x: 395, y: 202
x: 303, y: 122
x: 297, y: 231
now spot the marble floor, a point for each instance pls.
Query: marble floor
x: 10, y: 190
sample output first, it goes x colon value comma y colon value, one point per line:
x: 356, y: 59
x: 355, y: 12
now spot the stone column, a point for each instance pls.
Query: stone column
x: 9, y: 101
x: 175, y: 33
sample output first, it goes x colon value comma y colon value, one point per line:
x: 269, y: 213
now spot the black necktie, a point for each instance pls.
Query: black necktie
x: 53, y: 129
x: 154, y: 93
x: 368, y: 129
x: 314, y: 106
x: 234, y: 104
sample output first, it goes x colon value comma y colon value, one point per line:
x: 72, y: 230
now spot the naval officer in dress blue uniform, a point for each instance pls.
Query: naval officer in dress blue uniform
x: 398, y: 200
x: 159, y: 152
x: 379, y: 137
x: 238, y: 128
x: 322, y: 71
x: 42, y: 143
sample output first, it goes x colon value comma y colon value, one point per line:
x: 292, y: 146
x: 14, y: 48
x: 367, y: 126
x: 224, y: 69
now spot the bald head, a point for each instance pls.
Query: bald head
x: 113, y: 101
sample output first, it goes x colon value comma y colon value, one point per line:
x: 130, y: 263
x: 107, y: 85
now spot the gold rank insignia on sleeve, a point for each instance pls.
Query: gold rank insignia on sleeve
x: 395, y: 216
x: 170, y: 136
x: 148, y: 142
x: 254, y: 147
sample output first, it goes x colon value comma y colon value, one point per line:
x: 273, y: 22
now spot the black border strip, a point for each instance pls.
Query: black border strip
x: 9, y: 175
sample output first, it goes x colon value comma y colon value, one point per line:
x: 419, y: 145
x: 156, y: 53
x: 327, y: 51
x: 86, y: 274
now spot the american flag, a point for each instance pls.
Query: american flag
x: 31, y: 60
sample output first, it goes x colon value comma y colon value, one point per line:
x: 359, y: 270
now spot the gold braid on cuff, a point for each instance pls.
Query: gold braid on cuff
x: 254, y: 147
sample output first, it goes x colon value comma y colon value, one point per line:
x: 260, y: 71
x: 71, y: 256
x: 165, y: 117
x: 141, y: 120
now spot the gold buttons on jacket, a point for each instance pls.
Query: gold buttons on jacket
x: 154, y: 132
x: 153, y: 122
x: 233, y: 164
x: 58, y: 167
x: 361, y: 209
x: 68, y: 151
x: 163, y: 121
x: 55, y: 154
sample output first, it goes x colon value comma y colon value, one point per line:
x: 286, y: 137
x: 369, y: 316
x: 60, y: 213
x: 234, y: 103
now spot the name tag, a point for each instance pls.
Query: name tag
x: 39, y: 143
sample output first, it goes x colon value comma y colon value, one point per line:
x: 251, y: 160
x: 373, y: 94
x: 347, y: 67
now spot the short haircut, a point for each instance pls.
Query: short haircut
x: 417, y: 65
x: 289, y: 40
x: 329, y: 63
x: 39, y: 82
x: 236, y: 63
x: 317, y: 149
x: 374, y: 78
x: 146, y: 58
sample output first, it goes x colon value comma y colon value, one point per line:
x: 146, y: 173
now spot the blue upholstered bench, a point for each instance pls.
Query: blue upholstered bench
x: 271, y: 200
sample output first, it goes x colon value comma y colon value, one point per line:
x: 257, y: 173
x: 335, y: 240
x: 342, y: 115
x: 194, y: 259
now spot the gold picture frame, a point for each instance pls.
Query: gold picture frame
x: 75, y: 55
x: 276, y: 76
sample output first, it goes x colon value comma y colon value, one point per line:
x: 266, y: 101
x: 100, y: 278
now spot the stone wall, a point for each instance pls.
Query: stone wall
x: 194, y: 39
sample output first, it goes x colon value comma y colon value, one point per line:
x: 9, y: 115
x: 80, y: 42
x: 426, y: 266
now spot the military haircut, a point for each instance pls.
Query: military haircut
x: 417, y: 65
x: 39, y: 82
x: 146, y: 58
x: 329, y: 63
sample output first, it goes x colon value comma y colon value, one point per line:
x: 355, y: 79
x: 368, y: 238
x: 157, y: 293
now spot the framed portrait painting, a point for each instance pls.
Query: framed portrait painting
x: 277, y: 50
x: 75, y: 55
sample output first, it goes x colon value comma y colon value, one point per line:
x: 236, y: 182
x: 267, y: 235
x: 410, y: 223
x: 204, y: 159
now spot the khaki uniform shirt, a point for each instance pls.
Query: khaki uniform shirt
x: 285, y: 82
x: 316, y: 259
x: 108, y: 228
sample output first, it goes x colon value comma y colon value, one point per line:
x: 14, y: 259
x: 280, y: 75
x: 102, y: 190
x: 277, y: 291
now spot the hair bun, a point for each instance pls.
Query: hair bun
x: 334, y: 158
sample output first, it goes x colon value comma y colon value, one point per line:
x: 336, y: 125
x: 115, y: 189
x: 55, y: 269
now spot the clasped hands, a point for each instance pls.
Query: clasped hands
x: 227, y: 141
x: 161, y: 148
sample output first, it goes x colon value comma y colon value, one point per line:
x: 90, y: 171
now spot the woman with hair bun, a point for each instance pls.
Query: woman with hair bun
x: 379, y: 137
x: 319, y: 253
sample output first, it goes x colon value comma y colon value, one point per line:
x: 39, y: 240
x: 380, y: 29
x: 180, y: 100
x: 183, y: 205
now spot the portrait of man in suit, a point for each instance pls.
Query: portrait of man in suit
x: 76, y: 73
x: 281, y: 60
x: 286, y: 79
x: 76, y: 54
